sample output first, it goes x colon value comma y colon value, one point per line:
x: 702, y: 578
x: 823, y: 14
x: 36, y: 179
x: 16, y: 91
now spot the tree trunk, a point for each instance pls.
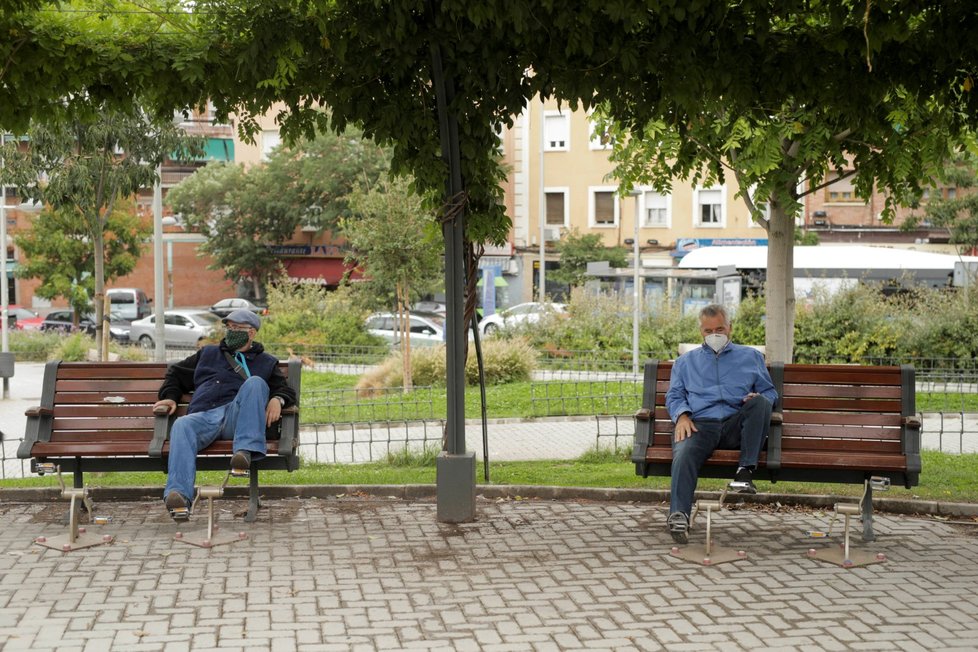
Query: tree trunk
x: 780, y: 286
x: 404, y: 317
x: 99, y: 238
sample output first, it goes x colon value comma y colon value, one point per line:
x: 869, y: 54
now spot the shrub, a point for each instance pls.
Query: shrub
x: 309, y: 316
x: 505, y: 361
x: 33, y: 346
x: 73, y: 348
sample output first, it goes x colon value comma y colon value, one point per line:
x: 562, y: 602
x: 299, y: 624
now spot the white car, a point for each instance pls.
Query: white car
x: 181, y: 328
x: 520, y: 314
x: 426, y: 330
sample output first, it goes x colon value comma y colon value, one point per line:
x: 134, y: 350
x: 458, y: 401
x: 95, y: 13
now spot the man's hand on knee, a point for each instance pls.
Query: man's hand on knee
x: 684, y: 427
x: 273, y: 411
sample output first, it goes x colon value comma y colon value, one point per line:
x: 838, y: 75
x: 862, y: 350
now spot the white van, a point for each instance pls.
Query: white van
x: 129, y: 303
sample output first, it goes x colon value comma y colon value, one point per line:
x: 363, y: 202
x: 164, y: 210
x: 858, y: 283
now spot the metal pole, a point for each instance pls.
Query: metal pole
x: 158, y: 336
x: 169, y: 274
x: 542, y: 217
x: 4, y: 290
x: 636, y: 290
x: 455, y: 470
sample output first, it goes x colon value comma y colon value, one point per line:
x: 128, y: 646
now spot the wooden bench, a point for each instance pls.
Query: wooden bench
x: 99, y: 417
x: 831, y: 423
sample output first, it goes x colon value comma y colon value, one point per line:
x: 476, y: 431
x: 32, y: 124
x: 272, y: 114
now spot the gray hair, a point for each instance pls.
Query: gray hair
x: 715, y: 310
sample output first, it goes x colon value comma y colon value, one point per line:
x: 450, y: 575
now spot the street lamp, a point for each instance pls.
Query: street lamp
x: 636, y: 294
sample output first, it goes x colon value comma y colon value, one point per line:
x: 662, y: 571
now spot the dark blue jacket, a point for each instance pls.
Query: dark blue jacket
x: 213, y: 382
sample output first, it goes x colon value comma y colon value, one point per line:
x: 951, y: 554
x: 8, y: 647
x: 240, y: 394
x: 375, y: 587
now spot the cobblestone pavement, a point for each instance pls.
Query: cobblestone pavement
x: 358, y: 573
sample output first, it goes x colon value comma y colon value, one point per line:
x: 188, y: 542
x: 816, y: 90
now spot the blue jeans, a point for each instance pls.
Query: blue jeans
x: 746, y: 430
x: 242, y: 420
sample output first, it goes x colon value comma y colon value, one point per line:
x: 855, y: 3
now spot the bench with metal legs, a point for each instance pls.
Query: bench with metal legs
x: 708, y: 554
x: 77, y: 537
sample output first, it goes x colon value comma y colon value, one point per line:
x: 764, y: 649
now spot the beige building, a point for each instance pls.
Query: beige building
x: 559, y: 146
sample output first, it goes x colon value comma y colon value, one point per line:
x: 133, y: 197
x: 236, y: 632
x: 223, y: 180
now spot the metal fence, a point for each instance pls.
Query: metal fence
x: 562, y: 413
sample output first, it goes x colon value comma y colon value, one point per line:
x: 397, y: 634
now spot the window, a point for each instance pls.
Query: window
x: 709, y: 207
x: 951, y: 193
x: 599, y: 140
x: 557, y: 207
x: 556, y: 132
x: 269, y: 141
x: 655, y: 209
x: 840, y: 190
x: 602, y: 207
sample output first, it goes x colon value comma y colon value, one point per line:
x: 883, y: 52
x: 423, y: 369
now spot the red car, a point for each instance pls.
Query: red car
x: 23, y: 319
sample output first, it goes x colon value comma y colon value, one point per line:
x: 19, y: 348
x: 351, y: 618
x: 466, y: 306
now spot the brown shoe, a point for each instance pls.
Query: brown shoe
x: 177, y: 506
x: 241, y: 462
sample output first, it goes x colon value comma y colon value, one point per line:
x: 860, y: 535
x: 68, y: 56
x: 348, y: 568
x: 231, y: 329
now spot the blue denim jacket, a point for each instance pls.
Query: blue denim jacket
x: 713, y: 386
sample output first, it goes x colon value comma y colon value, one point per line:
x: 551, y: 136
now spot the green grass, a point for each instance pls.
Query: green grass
x: 946, y: 477
x: 330, y: 398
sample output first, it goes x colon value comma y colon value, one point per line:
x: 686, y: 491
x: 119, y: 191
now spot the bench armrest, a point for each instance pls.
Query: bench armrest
x: 777, y: 418
x: 911, y: 422
x: 643, y: 414
x: 38, y: 411
x: 161, y: 431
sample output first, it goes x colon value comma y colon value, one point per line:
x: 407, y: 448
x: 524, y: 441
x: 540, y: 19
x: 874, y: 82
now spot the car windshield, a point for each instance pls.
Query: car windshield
x: 204, y: 318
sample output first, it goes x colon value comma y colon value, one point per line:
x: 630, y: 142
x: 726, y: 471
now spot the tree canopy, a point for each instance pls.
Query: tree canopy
x: 758, y: 76
x: 244, y: 211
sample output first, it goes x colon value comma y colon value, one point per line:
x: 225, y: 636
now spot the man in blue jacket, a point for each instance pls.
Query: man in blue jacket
x: 720, y: 396
x: 238, y: 391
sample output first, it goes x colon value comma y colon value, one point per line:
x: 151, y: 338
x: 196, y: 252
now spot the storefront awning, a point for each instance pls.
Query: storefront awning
x: 322, y: 271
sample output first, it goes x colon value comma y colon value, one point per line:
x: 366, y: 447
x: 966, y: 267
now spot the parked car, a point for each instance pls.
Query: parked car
x: 181, y: 328
x: 23, y: 319
x: 225, y: 307
x: 426, y: 330
x: 520, y: 314
x: 61, y: 321
x: 129, y: 303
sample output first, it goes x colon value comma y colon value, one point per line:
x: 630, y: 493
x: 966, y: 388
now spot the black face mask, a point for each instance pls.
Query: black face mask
x: 236, y: 339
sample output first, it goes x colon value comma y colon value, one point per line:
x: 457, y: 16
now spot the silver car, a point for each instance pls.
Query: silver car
x: 427, y: 330
x: 181, y: 328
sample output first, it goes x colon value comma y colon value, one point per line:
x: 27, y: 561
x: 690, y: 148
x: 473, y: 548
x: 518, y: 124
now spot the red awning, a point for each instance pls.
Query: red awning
x: 324, y: 271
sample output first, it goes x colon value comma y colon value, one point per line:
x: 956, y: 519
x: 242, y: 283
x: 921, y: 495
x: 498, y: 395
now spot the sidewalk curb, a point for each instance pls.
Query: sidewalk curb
x: 496, y: 492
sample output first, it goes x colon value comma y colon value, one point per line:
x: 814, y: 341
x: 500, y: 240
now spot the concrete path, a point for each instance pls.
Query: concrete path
x: 382, y: 574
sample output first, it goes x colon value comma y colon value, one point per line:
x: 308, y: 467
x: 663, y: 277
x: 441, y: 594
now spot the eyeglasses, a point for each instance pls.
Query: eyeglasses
x: 237, y: 328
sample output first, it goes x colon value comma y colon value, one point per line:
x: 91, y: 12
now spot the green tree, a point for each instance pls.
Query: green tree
x: 394, y: 241
x: 88, y: 161
x: 57, y: 249
x: 244, y: 211
x: 957, y: 214
x: 577, y: 250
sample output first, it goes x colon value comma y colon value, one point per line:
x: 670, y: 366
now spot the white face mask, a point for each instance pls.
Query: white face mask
x: 716, y: 341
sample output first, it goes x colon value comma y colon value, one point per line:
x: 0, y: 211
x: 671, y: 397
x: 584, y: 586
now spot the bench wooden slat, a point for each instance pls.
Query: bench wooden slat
x: 110, y: 386
x: 98, y: 411
x: 104, y: 424
x: 820, y: 431
x: 840, y: 391
x: 875, y: 461
x: 110, y: 370
x: 832, y: 375
x: 842, y: 418
x: 841, y: 404
x: 98, y: 398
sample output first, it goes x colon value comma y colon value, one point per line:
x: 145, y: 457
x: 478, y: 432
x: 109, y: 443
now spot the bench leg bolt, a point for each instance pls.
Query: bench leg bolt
x: 66, y: 547
x: 706, y: 561
x: 741, y: 553
x: 881, y: 556
x: 178, y: 535
x: 675, y: 550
